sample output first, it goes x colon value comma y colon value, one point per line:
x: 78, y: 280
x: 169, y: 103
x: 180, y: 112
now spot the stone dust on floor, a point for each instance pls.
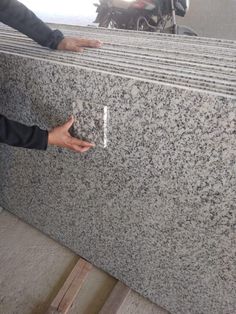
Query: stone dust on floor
x: 33, y: 268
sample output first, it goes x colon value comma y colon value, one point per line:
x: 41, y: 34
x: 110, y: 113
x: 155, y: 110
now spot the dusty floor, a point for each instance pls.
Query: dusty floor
x: 33, y: 267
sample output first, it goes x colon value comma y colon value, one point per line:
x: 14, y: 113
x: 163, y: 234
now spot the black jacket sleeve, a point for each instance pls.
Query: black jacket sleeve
x: 18, y: 16
x: 16, y: 134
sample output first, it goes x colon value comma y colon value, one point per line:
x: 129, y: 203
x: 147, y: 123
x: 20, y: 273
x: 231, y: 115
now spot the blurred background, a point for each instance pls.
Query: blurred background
x: 210, y: 18
x: 78, y: 12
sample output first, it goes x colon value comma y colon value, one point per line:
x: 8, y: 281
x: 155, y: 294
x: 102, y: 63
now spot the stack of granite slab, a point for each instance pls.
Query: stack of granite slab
x: 154, y: 204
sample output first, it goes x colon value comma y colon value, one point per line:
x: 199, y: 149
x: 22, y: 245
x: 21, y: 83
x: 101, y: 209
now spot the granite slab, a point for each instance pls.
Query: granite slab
x: 154, y: 203
x: 192, y: 70
x: 131, y: 37
x: 143, y: 39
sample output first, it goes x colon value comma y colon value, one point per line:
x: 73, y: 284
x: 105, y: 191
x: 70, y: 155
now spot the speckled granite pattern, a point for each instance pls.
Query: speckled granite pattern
x: 156, y: 207
x: 90, y: 121
x: 197, y: 64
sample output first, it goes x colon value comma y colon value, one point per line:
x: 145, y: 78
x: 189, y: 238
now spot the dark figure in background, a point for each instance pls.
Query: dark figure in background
x: 15, y: 14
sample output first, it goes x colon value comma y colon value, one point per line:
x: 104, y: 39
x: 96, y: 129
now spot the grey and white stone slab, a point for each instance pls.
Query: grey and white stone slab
x: 178, y: 50
x: 219, y: 68
x: 155, y: 207
x: 213, y: 74
x: 221, y: 73
x: 142, y: 39
x: 189, y: 51
x: 134, y: 35
x: 141, y: 35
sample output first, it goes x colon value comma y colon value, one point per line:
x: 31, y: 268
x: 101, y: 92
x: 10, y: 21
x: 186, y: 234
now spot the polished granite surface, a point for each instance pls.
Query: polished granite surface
x: 154, y: 203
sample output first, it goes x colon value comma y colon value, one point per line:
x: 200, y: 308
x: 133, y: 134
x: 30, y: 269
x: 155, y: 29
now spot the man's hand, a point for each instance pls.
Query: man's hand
x: 61, y: 137
x: 77, y: 44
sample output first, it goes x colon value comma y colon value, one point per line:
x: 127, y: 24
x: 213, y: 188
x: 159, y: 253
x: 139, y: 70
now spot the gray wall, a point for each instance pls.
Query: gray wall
x: 212, y: 18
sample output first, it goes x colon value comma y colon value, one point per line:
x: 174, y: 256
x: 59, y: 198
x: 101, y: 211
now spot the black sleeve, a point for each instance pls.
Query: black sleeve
x: 16, y: 134
x: 18, y: 16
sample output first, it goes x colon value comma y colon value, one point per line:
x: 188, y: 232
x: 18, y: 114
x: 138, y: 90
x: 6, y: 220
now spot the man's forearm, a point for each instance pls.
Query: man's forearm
x: 18, y: 16
x: 16, y: 134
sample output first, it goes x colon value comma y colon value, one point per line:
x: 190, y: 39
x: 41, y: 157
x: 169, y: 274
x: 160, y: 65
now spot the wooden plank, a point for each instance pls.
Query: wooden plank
x: 74, y: 289
x: 56, y: 302
x: 115, y: 299
x: 67, y: 294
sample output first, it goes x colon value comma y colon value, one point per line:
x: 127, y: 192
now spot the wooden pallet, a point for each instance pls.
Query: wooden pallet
x: 72, y: 286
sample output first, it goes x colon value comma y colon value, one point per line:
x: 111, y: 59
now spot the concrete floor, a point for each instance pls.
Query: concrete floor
x: 33, y: 268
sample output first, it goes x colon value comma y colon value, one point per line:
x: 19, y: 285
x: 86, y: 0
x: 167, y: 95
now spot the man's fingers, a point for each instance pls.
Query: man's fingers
x: 91, y: 43
x: 79, y: 149
x: 75, y: 141
x: 78, y: 145
x: 77, y: 44
x: 69, y: 123
x: 84, y: 149
x: 60, y: 137
x: 80, y: 44
x: 78, y: 48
